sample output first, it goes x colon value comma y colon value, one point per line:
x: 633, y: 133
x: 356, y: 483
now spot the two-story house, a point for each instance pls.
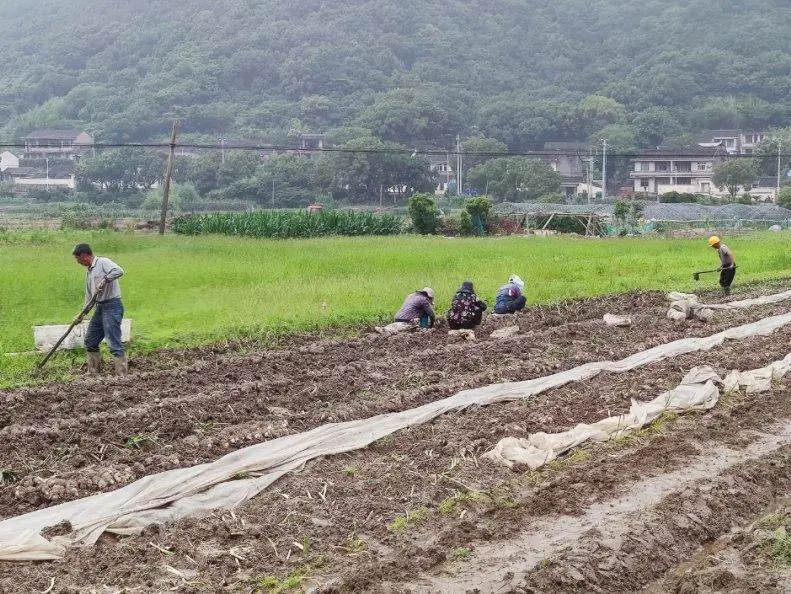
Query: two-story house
x: 569, y: 159
x: 675, y: 170
x: 735, y: 142
x: 64, y: 144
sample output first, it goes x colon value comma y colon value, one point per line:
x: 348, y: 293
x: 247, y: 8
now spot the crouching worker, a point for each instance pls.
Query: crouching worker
x: 466, y: 310
x: 418, y: 306
x: 727, y: 263
x: 509, y: 297
x: 102, y: 281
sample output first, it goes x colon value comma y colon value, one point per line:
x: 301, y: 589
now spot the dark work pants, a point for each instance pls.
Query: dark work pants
x: 726, y: 276
x: 517, y: 304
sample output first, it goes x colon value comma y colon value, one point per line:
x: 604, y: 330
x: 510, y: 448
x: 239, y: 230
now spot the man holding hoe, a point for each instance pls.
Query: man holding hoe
x: 727, y: 263
x: 101, y: 281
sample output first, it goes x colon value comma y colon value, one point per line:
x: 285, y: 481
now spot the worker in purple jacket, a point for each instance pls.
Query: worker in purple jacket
x: 418, y: 306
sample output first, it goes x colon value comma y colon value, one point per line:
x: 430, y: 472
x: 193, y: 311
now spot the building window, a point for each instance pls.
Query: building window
x: 684, y: 181
x: 705, y: 187
x: 662, y: 181
x: 641, y: 166
x: 644, y: 183
x: 703, y: 167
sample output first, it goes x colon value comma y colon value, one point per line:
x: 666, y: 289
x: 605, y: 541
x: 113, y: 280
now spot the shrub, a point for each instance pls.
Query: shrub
x: 479, y: 210
x: 465, y: 223
x: 784, y: 199
x: 676, y: 197
x: 423, y: 212
x: 449, y: 226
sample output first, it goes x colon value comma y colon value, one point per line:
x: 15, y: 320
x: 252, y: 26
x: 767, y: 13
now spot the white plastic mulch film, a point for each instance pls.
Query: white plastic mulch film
x: 684, y: 306
x: 179, y: 493
x: 697, y: 391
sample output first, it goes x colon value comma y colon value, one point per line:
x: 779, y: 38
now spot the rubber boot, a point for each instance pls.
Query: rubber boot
x: 121, y: 365
x: 94, y: 363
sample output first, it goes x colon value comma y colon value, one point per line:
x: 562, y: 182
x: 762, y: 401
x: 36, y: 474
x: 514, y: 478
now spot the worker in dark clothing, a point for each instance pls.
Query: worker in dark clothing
x: 466, y: 310
x: 509, y: 297
x: 727, y: 263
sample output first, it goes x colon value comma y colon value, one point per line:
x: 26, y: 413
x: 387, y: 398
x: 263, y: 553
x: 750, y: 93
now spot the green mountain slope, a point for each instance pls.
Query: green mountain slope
x: 419, y: 72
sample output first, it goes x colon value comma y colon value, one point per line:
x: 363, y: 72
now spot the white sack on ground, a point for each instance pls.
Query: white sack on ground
x: 200, y: 489
x: 621, y: 321
x: 697, y: 391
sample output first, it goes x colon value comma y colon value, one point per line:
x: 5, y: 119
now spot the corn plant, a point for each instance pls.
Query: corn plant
x: 283, y: 225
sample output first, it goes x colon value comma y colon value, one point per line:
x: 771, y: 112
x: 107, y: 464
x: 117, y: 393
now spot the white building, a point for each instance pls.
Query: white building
x: 8, y: 160
x: 676, y: 170
x: 67, y: 144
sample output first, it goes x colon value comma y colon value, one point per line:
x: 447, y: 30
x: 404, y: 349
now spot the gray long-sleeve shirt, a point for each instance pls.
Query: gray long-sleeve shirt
x: 99, y: 270
x: 416, y: 305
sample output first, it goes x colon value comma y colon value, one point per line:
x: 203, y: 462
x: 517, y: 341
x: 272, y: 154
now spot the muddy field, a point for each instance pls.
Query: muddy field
x: 420, y: 511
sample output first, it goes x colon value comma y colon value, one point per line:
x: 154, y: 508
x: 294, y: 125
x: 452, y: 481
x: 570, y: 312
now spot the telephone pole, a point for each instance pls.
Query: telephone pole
x: 604, y: 170
x: 777, y: 193
x: 590, y: 173
x: 459, y: 189
x: 166, y: 186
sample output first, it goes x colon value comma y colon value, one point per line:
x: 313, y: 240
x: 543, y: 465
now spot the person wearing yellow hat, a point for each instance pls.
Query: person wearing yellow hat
x: 727, y: 263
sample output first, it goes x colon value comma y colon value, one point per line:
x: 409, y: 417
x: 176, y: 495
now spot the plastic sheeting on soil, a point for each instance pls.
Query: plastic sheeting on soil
x: 697, y: 391
x: 687, y: 305
x: 183, y: 492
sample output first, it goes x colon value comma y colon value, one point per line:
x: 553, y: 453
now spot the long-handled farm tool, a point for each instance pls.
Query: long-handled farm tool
x: 696, y: 275
x: 85, y: 311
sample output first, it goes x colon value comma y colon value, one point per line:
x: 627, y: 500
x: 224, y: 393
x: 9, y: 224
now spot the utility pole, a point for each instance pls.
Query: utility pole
x: 777, y: 193
x: 381, y: 196
x: 222, y: 149
x: 590, y: 173
x: 604, y: 170
x: 459, y: 188
x: 273, y: 193
x: 168, y: 174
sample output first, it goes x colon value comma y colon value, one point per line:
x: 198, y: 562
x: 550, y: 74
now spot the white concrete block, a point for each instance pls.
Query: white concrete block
x: 46, y: 336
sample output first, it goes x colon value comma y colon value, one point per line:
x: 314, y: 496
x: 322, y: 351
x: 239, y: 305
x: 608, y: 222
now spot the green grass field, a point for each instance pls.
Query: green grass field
x: 184, y: 291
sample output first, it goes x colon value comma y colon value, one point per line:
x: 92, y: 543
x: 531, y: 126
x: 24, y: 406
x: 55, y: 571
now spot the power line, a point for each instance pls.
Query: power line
x: 226, y: 146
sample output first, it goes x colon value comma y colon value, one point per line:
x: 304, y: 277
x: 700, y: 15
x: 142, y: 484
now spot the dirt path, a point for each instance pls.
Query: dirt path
x: 419, y: 502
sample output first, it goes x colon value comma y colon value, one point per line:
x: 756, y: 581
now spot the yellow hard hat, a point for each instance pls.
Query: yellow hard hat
x: 713, y: 240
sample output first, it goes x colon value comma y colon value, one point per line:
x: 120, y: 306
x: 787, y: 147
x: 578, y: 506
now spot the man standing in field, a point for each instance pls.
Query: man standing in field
x: 727, y: 263
x: 101, y: 281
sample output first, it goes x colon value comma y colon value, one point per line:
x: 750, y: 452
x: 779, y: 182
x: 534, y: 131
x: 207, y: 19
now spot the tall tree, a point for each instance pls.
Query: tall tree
x: 735, y: 173
x: 514, y: 179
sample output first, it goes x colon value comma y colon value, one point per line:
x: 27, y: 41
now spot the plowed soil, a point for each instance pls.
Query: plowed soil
x: 417, y: 511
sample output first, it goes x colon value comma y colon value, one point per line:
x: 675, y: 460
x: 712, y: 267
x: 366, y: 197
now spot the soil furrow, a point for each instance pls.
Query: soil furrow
x: 428, y: 468
x: 71, y: 458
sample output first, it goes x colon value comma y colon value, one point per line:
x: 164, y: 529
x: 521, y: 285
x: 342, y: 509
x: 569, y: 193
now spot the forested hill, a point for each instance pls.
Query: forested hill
x: 412, y: 71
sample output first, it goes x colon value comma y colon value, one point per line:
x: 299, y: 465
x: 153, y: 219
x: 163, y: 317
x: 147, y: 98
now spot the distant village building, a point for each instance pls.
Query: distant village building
x: 69, y: 144
x: 8, y: 160
x: 569, y: 160
x: 443, y: 173
x: 664, y: 170
x: 735, y: 142
x: 311, y: 143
